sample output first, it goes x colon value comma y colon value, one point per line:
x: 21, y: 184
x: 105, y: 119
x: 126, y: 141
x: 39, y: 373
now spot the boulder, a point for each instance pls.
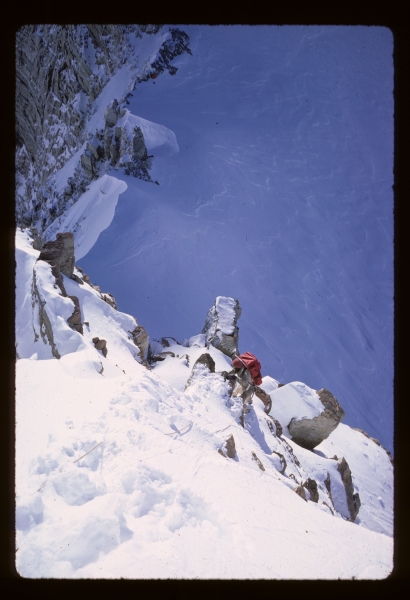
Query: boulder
x: 220, y: 328
x: 100, y: 345
x: 309, y: 433
x: 353, y: 500
x: 60, y: 252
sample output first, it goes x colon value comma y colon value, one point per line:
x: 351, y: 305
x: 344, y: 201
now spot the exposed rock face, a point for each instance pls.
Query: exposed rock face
x: 220, y: 327
x: 311, y: 486
x: 75, y: 319
x: 309, y: 433
x: 60, y: 253
x: 46, y: 330
x: 100, y: 345
x: 60, y: 71
x: 266, y: 399
x: 54, y: 85
x: 109, y: 299
x: 115, y: 147
x: 353, y: 500
x: 203, y: 365
x: 141, y: 340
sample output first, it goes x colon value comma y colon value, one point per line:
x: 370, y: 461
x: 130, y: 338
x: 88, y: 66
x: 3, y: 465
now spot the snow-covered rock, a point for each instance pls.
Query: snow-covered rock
x: 309, y: 433
x: 204, y: 364
x: 220, y: 328
x: 49, y: 324
x: 308, y: 416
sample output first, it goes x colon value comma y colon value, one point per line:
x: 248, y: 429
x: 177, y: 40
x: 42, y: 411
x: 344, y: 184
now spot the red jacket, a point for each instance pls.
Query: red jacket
x: 249, y: 361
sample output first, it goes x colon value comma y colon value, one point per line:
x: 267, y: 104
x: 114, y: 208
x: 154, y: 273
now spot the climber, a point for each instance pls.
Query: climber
x: 246, y: 374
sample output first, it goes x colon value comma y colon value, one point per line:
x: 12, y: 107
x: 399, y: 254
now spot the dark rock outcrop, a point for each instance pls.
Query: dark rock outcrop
x: 274, y: 426
x: 207, y: 360
x: 100, y: 345
x: 46, y: 330
x: 353, y: 500
x: 204, y: 364
x: 220, y: 328
x: 75, y: 319
x: 60, y: 252
x: 311, y: 486
x: 109, y: 299
x: 229, y: 448
x: 115, y: 145
x: 266, y: 399
x: 309, y: 433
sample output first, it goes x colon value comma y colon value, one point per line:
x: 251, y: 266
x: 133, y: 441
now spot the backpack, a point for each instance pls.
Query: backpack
x: 251, y: 363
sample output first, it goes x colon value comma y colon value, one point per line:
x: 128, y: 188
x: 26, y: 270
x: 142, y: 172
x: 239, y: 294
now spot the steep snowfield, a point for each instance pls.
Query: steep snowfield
x: 90, y: 215
x: 280, y: 196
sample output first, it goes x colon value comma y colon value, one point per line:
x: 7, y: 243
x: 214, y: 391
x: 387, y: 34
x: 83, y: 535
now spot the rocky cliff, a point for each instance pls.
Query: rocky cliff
x: 61, y: 71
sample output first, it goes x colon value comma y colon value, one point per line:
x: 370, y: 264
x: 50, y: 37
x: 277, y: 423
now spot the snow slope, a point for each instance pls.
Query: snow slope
x: 280, y: 196
x: 149, y: 503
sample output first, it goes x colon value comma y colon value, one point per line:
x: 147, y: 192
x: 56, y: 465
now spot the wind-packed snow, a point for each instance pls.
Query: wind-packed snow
x: 90, y: 215
x: 156, y: 137
x: 294, y: 401
x: 273, y: 150
x: 280, y: 196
